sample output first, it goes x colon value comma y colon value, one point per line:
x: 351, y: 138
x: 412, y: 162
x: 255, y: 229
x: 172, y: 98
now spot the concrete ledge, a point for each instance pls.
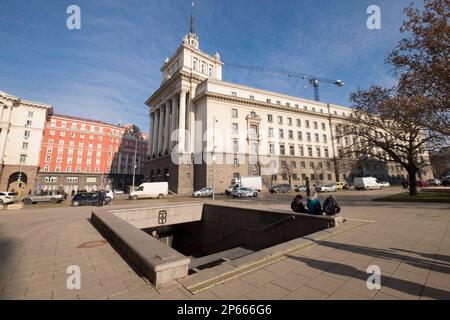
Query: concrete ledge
x: 436, y: 189
x: 156, y: 261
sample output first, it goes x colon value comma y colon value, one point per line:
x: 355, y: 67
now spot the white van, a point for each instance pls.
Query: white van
x: 150, y: 190
x: 367, y: 183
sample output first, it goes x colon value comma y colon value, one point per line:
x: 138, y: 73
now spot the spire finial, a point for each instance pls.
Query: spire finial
x: 192, y: 29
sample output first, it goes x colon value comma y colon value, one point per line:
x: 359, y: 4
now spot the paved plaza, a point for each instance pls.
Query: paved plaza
x: 409, y: 242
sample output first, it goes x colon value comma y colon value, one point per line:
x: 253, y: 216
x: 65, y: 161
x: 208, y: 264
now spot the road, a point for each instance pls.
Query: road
x: 351, y: 197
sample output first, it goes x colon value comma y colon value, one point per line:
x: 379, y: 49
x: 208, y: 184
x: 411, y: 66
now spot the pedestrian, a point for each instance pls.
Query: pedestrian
x: 313, y: 204
x: 297, y: 205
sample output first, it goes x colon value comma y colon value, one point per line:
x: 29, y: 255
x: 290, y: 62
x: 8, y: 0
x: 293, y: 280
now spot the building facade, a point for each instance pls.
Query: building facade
x: 22, y: 125
x: 206, y: 131
x: 82, y: 154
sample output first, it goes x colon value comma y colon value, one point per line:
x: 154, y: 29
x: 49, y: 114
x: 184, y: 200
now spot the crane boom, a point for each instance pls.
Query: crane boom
x: 313, y: 80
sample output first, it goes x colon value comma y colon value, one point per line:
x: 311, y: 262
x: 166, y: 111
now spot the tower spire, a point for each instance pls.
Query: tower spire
x: 192, y: 28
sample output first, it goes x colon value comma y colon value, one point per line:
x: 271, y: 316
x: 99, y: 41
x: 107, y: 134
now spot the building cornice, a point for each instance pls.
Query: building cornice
x: 263, y: 105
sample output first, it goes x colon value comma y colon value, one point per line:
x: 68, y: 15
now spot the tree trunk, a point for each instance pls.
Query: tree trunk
x: 412, y: 182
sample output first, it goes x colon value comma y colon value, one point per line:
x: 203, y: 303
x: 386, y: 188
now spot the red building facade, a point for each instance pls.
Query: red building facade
x: 83, y: 154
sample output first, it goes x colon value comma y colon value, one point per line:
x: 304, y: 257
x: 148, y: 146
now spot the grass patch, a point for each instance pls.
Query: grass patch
x: 420, y: 197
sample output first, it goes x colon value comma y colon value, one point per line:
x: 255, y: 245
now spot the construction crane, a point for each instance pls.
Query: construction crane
x: 313, y: 80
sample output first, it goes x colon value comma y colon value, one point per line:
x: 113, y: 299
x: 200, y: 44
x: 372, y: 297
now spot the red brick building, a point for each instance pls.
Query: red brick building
x: 83, y: 154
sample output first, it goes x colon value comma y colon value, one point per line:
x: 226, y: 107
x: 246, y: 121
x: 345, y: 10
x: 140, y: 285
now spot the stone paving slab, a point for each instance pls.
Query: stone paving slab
x: 410, y: 244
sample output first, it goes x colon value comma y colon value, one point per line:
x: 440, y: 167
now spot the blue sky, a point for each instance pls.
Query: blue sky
x: 108, y: 69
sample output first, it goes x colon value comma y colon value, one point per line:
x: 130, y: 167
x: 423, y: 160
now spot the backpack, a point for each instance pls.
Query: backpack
x: 330, y: 207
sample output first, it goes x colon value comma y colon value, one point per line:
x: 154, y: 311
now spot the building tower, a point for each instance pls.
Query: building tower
x: 173, y: 114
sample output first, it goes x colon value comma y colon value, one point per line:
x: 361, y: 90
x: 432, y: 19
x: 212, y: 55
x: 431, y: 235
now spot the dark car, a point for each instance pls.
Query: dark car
x: 282, y: 188
x: 87, y: 199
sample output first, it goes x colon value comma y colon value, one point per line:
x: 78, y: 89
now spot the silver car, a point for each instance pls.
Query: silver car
x: 8, y: 197
x: 205, y: 192
x: 244, y: 193
x: 45, y: 196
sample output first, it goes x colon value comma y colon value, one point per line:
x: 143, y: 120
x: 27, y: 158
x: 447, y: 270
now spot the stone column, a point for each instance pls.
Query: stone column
x: 167, y: 127
x: 174, y: 125
x: 160, y: 130
x: 155, y: 133
x: 182, y: 123
x: 150, y: 142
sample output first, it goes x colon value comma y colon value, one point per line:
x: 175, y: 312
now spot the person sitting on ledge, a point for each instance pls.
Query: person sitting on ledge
x: 313, y: 204
x: 331, y: 206
x: 297, y: 205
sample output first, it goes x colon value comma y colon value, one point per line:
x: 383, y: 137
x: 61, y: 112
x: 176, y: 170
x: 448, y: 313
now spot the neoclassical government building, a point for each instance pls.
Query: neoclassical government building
x: 230, y: 130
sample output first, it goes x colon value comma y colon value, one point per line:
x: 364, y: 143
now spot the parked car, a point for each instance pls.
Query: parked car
x: 8, y: 197
x: 435, y: 182
x: 340, y: 185
x: 245, y: 182
x: 109, y: 195
x: 349, y: 186
x: 326, y: 188
x: 86, y: 199
x: 205, y: 192
x: 244, y: 193
x: 282, y: 188
x: 446, y: 182
x: 384, y: 184
x: 422, y: 183
x: 45, y: 196
x: 301, y: 189
x: 118, y: 191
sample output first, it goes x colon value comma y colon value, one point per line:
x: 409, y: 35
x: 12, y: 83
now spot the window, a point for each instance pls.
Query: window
x: 91, y: 180
x: 48, y: 158
x: 310, y: 152
x: 299, y: 135
x: 210, y: 71
x: 329, y: 177
x: 254, y: 148
x: 293, y: 164
x: 290, y: 122
x: 72, y: 179
x: 327, y: 155
x: 302, y: 151
x: 271, y: 133
x: 279, y: 103
x: 234, y: 113
x: 291, y: 134
x: 49, y: 150
x: 30, y: 114
x: 311, y: 165
x: 236, y: 162
x: 252, y: 97
x: 317, y: 137
x: 292, y: 150
x: 272, y: 149
x: 23, y: 158
x: 25, y: 145
x: 51, y: 179
x: 280, y: 120
x: 323, y: 126
x: 308, y: 137
x: 270, y: 118
x: 299, y: 123
x: 282, y: 149
x: 318, y: 152
x: 316, y: 125
x: 269, y: 101
x: 288, y: 104
x: 47, y: 168
x: 58, y: 168
x: 235, y: 145
x: 253, y: 131
x: 307, y: 124
x: 59, y: 159
x: 27, y: 134
x: 325, y: 139
x: 303, y: 164
x: 234, y: 94
x: 194, y: 64
x: 62, y: 133
x: 281, y: 133
x: 29, y: 122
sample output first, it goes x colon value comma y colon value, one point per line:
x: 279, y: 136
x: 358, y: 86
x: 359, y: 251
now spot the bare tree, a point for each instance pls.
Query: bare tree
x: 422, y: 62
x: 383, y: 126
